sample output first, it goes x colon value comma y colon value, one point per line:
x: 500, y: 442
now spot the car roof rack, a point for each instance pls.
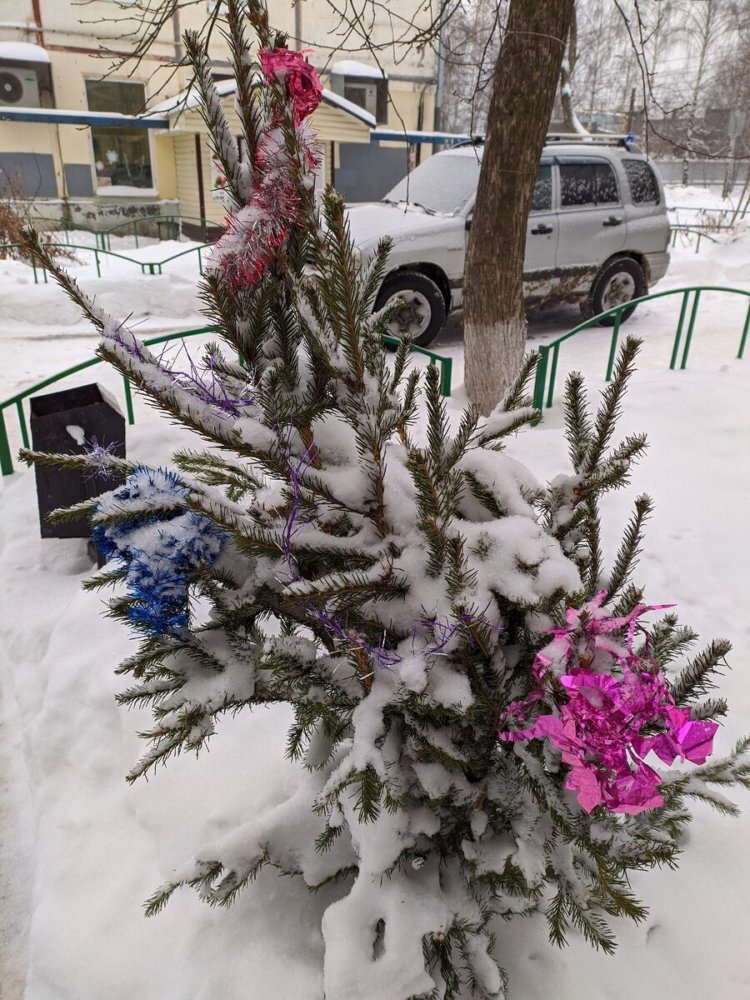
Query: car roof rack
x: 473, y: 140
x: 626, y: 140
x: 593, y: 139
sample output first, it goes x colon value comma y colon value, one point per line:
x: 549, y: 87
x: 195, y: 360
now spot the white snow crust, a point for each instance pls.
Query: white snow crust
x: 23, y: 52
x: 352, y: 67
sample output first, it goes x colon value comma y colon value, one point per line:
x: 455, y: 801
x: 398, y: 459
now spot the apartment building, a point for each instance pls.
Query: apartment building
x: 73, y: 132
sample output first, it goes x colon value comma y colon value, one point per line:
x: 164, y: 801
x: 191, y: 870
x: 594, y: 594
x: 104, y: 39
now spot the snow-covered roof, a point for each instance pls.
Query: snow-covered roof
x: 188, y: 99
x: 336, y: 101
x: 23, y: 52
x: 225, y: 88
x: 350, y: 67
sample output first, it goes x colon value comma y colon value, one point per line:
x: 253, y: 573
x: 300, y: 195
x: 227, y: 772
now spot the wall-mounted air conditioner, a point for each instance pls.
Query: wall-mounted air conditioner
x: 19, y: 87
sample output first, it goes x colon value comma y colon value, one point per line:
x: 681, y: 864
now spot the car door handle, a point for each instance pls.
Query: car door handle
x: 612, y: 221
x: 541, y: 230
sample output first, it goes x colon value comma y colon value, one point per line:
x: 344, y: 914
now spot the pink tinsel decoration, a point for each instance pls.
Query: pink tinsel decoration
x: 599, y: 728
x: 255, y: 233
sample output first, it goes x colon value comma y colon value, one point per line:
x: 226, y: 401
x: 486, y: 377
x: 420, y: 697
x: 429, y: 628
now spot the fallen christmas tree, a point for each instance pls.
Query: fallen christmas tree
x: 475, y: 694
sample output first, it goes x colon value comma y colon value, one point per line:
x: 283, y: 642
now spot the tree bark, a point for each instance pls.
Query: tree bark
x: 523, y: 94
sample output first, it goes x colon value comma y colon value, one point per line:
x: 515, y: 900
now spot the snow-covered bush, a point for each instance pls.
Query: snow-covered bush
x: 474, y: 692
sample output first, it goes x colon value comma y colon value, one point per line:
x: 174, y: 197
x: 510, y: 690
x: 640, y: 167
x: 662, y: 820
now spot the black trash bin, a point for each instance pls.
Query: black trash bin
x: 69, y: 422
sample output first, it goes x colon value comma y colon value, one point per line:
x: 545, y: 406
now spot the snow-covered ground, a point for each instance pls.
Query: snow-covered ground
x: 44, y: 332
x: 80, y: 850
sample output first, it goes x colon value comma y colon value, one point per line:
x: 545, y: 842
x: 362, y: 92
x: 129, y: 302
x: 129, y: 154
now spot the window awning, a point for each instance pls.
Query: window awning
x: 57, y: 116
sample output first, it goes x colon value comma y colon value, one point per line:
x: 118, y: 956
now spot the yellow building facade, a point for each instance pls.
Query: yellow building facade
x: 58, y: 62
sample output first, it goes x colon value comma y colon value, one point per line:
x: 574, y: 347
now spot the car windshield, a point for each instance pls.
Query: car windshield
x: 443, y: 183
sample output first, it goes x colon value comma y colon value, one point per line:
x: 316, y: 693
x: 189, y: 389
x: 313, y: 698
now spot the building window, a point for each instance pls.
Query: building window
x: 122, y: 155
x: 371, y: 95
x: 365, y: 95
x: 363, y: 85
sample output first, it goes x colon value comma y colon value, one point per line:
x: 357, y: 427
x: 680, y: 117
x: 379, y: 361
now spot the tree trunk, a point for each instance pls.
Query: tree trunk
x: 569, y: 117
x: 571, y: 122
x: 523, y: 94
x: 707, y: 30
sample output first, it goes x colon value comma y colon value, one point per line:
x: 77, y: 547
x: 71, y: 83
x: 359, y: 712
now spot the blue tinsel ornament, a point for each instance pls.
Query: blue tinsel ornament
x: 145, y: 526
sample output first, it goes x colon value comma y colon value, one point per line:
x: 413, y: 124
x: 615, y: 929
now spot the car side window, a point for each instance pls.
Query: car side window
x: 541, y: 199
x: 577, y: 185
x: 587, y: 183
x: 644, y: 189
x: 606, y: 185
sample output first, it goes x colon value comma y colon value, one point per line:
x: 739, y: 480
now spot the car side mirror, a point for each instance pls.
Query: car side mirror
x: 469, y: 217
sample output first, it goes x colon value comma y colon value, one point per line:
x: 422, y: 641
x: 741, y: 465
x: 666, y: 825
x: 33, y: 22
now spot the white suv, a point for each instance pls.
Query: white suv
x: 597, y: 232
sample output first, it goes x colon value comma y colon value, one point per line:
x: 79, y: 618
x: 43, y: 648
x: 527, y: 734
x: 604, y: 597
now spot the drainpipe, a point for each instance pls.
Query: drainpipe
x: 201, y: 189
x: 298, y: 24
x: 37, y: 13
x: 65, y: 206
x: 440, y: 85
x: 177, y: 35
x: 420, y: 124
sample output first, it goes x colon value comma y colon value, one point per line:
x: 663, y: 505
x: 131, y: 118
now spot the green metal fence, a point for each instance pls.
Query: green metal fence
x: 697, y: 230
x: 146, y: 266
x: 102, y: 236
x: 544, y: 385
x: 707, y: 210
x: 705, y: 222
x: 160, y: 220
x: 17, y: 401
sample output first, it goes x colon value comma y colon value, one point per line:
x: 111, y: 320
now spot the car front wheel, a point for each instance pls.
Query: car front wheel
x: 422, y: 315
x: 617, y: 283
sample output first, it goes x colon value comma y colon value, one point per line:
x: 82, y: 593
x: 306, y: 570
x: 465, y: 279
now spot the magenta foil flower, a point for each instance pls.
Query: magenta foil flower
x: 613, y: 707
x: 300, y: 78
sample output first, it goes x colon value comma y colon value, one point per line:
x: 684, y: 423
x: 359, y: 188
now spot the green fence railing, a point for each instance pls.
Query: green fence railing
x: 16, y: 402
x: 146, y: 266
x: 169, y: 219
x: 697, y: 230
x: 546, y: 373
x: 708, y: 210
x: 63, y: 226
x: 102, y: 236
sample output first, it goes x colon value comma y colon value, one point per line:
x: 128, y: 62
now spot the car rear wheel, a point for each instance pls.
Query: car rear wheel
x: 423, y: 313
x: 617, y: 283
